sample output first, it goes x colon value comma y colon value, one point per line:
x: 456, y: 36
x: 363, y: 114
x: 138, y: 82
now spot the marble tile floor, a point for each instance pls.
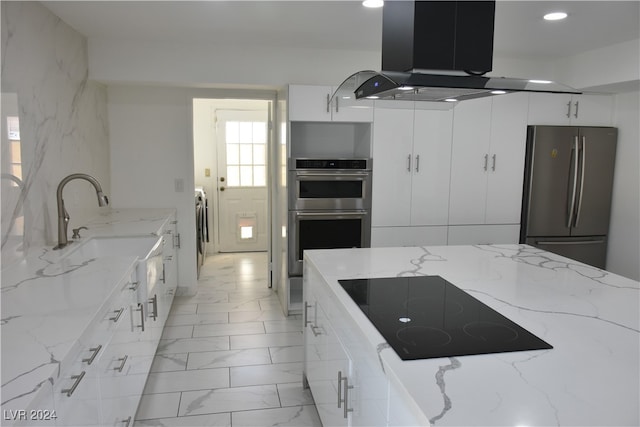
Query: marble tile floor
x: 228, y: 356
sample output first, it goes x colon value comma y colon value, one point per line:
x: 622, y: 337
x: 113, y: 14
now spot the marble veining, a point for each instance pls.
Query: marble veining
x: 590, y: 316
x: 62, y: 121
x: 49, y: 302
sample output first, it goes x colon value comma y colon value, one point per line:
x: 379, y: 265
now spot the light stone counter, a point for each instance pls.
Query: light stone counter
x: 49, y: 302
x: 590, y: 316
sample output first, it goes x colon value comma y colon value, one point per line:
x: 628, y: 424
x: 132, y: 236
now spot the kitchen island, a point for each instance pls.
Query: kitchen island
x: 589, y: 316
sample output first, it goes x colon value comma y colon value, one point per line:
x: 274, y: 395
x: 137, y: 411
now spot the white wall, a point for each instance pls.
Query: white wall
x: 624, y: 236
x: 601, y: 68
x: 63, y: 126
x: 152, y: 161
x: 208, y: 65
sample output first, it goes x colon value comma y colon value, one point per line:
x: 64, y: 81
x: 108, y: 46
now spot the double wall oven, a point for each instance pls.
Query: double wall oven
x: 329, y: 206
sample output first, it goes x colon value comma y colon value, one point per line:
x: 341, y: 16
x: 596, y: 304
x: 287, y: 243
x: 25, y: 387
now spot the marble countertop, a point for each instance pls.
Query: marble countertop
x: 48, y: 303
x: 590, y: 316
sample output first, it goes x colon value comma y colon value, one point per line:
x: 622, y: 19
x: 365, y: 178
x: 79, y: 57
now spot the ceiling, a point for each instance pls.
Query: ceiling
x: 520, y: 30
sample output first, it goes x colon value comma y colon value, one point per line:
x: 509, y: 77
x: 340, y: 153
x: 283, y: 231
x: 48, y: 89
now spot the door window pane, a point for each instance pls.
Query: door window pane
x: 246, y: 153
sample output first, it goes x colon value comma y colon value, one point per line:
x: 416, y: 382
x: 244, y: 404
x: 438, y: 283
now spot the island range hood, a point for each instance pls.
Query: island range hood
x: 438, y: 51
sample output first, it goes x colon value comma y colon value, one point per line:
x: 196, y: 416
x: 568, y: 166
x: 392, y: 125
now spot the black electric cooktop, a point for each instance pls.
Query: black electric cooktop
x: 426, y: 317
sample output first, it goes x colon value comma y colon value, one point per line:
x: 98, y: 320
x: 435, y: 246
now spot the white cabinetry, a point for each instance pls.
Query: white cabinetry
x: 342, y: 369
x: 412, y: 154
x: 570, y: 110
x: 489, y: 136
x: 312, y: 103
x: 88, y: 391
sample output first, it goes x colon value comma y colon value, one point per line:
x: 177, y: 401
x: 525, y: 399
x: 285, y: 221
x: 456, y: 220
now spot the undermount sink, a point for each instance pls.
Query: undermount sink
x: 127, y: 246
x: 148, y: 250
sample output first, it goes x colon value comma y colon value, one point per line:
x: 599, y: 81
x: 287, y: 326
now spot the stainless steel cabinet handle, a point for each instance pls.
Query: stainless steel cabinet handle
x: 154, y: 302
x: 339, y: 389
x: 417, y: 163
x: 315, y: 329
x: 141, y: 310
x: 77, y: 378
x: 127, y: 421
x: 176, y: 241
x: 168, y: 258
x: 328, y: 103
x: 123, y: 360
x: 409, y: 163
x: 493, y: 165
x: 337, y: 110
x: 569, y: 109
x: 345, y: 394
x: 95, y: 351
x: 163, y: 274
x: 486, y: 161
x: 306, y: 315
x: 576, y: 112
x: 582, y: 167
x: 133, y: 286
x: 572, y: 202
x: 117, y: 316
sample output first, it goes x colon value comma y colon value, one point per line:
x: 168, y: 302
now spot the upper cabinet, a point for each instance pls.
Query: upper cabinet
x: 487, y: 160
x: 314, y: 104
x: 570, y: 110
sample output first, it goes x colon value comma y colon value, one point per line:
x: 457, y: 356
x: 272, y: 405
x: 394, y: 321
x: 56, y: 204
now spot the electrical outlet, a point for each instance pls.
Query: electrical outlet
x: 179, y: 185
x: 207, y: 172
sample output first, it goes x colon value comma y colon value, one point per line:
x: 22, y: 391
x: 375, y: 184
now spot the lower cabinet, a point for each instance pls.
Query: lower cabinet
x: 101, y: 385
x: 342, y: 370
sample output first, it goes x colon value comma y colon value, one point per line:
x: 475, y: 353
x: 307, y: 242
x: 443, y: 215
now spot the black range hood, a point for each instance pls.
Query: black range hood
x: 438, y: 51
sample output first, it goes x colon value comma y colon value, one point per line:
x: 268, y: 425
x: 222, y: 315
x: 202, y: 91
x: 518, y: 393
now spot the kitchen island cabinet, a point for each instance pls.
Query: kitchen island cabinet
x: 589, y: 316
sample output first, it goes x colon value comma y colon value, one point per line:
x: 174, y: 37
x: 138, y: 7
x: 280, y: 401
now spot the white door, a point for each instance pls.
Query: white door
x: 242, y: 139
x: 393, y: 162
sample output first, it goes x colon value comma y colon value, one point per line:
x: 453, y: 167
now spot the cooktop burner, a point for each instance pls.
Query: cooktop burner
x: 425, y: 317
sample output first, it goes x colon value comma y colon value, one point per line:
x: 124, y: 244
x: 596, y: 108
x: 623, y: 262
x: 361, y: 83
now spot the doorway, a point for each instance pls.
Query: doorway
x: 233, y: 140
x: 241, y: 145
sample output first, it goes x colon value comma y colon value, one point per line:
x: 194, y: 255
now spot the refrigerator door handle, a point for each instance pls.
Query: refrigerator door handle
x: 572, y: 203
x: 582, y: 167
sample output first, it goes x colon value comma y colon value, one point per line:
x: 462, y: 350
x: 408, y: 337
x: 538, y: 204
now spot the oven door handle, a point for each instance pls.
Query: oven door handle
x: 338, y: 175
x: 333, y: 214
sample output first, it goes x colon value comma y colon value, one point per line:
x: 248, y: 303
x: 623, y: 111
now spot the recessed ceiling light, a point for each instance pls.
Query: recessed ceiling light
x: 498, y: 92
x: 373, y: 97
x: 543, y: 82
x: 451, y: 100
x: 373, y: 3
x: 555, y: 16
x: 406, y: 88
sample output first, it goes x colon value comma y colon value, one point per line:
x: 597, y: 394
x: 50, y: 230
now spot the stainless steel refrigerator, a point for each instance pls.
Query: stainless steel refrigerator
x: 567, y: 190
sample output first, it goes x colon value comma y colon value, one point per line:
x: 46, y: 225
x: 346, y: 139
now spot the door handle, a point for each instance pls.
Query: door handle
x: 493, y: 165
x: 409, y: 163
x: 582, y: 167
x: 486, y: 161
x: 417, y: 163
x: 572, y: 203
x: 221, y: 188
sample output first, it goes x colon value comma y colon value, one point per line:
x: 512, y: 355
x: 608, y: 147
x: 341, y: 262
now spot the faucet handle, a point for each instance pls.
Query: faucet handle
x: 76, y: 232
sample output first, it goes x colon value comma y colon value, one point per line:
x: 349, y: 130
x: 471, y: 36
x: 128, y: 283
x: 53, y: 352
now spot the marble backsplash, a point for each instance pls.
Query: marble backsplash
x: 54, y: 123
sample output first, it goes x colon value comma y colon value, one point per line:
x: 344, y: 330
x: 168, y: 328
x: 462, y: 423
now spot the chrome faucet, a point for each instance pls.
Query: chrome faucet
x: 63, y: 215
